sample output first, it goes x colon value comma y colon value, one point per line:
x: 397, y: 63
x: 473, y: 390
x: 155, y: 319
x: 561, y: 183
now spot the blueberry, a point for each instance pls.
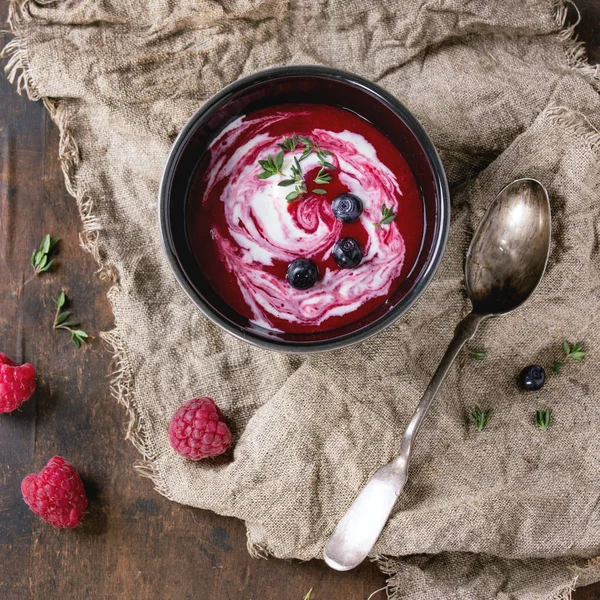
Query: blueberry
x: 347, y: 253
x: 347, y: 208
x: 302, y: 273
x: 532, y: 377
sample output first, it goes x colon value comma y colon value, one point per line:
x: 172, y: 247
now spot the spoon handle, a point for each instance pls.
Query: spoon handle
x: 464, y: 331
x: 360, y: 528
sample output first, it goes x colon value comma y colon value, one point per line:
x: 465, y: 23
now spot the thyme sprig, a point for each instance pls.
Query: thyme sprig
x: 481, y: 417
x: 387, y: 216
x: 39, y: 258
x: 574, y: 352
x: 542, y: 418
x: 478, y: 354
x: 78, y: 336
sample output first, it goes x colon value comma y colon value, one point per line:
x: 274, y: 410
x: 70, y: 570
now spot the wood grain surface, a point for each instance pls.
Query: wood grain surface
x: 134, y: 543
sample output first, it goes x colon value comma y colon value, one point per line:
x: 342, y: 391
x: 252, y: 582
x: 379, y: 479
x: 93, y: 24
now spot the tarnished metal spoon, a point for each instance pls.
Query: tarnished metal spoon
x: 505, y: 262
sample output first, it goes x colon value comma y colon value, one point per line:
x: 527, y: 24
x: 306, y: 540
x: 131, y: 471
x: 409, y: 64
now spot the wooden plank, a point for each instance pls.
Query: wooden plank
x: 133, y: 543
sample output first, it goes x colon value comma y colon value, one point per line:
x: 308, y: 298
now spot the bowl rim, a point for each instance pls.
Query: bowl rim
x: 438, y: 245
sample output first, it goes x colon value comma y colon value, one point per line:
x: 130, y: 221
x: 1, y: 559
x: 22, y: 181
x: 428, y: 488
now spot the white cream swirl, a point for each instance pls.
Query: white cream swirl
x: 264, y: 228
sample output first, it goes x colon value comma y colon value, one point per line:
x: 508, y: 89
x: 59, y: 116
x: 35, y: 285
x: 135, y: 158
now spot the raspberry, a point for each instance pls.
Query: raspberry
x: 197, y: 430
x: 56, y: 494
x: 17, y: 383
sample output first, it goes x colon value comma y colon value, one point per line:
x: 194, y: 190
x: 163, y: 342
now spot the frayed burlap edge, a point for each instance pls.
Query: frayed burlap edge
x: 18, y: 71
x: 591, y: 571
x: 574, y: 48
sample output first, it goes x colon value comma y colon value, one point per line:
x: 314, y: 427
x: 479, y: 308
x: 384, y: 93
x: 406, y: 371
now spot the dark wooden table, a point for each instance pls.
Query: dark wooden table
x: 133, y: 543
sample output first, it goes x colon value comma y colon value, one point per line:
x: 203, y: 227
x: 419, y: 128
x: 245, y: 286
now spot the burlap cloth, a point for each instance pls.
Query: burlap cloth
x: 505, y: 91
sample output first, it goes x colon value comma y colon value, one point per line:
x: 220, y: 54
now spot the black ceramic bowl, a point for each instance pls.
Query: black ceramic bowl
x: 300, y: 84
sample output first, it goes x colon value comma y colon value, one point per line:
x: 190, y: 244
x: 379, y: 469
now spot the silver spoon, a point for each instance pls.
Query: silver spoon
x: 505, y: 263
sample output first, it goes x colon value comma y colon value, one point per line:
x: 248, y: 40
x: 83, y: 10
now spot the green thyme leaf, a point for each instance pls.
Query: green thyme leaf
x: 305, y: 154
x: 556, y: 365
x: 287, y: 182
x: 481, y: 417
x: 542, y: 419
x: 47, y: 267
x: 307, y: 597
x: 60, y: 301
x: 478, y: 354
x: 62, y: 317
x: 319, y: 191
x: 279, y: 160
x: 45, y: 245
x: 292, y: 196
x: 566, y: 347
x: 326, y: 164
x: 265, y: 175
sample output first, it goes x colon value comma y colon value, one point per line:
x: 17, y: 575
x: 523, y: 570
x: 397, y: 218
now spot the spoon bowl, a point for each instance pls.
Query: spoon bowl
x: 509, y: 251
x: 505, y: 263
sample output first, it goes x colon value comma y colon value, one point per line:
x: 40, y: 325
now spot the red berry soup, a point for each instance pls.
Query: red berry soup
x: 304, y: 217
